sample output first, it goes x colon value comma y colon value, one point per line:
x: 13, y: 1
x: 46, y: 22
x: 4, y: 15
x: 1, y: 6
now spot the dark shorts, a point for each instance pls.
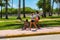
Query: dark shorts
x: 32, y: 20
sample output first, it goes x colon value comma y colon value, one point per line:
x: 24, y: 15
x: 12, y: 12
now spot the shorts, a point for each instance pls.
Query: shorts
x: 32, y: 20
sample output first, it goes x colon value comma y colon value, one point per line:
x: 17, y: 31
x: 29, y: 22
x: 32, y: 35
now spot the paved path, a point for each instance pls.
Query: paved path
x: 19, y: 32
x: 44, y: 37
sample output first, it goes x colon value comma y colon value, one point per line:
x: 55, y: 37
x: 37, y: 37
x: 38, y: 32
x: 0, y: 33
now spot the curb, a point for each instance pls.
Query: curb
x: 26, y: 35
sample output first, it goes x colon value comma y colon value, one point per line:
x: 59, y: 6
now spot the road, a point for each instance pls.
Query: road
x: 43, y: 37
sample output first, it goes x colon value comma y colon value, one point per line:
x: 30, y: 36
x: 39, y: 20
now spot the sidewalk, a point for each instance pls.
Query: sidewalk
x: 22, y: 33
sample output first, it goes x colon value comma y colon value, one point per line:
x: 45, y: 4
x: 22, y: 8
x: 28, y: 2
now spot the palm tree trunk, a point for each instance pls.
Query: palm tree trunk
x: 52, y: 7
x: 58, y: 8
x: 6, y: 9
x: 50, y: 12
x: 19, y: 11
x: 12, y: 3
x: 1, y: 11
x: 44, y: 6
x: 24, y: 8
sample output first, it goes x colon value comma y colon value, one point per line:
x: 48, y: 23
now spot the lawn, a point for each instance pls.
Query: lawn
x: 13, y: 23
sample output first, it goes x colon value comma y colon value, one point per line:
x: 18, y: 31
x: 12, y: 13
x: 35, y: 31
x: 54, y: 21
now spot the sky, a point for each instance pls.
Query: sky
x: 28, y: 3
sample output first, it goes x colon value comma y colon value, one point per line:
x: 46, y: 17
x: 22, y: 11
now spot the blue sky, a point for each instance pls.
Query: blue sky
x: 28, y: 3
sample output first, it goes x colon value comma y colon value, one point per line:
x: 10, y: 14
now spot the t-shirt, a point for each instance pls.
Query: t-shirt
x: 37, y: 15
x: 33, y: 17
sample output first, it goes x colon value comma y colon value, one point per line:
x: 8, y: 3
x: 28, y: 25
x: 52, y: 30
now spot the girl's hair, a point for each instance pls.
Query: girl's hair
x: 37, y: 12
x: 26, y: 20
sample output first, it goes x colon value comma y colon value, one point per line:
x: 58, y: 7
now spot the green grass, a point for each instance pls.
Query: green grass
x: 11, y: 24
x: 16, y: 24
x: 50, y: 23
x: 15, y: 18
x: 51, y: 17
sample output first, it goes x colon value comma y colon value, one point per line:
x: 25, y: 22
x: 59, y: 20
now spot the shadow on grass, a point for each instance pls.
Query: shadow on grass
x: 11, y: 26
x: 17, y: 26
x: 54, y: 17
x: 51, y: 24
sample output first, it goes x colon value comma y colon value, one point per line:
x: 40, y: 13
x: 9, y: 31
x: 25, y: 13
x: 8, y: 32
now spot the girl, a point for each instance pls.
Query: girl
x: 37, y: 19
x: 37, y: 16
x: 32, y: 22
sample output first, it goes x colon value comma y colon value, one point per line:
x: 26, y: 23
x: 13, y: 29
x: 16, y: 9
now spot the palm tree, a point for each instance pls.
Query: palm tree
x: 19, y: 11
x: 44, y: 7
x: 6, y: 9
x: 58, y: 5
x: 1, y: 9
x: 12, y: 3
x: 6, y: 6
x: 51, y: 8
x: 4, y: 3
x: 12, y: 6
x: 24, y: 8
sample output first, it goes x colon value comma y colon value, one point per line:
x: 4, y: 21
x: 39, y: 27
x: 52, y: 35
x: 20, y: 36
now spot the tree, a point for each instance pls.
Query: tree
x: 2, y: 4
x: 6, y: 9
x: 12, y: 3
x: 19, y: 11
x: 45, y: 5
x: 58, y: 5
x: 50, y: 8
x: 24, y: 8
x: 28, y: 10
x: 42, y: 4
x: 6, y: 6
x: 1, y: 9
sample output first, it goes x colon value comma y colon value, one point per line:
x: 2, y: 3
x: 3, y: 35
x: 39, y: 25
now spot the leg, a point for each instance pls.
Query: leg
x: 30, y: 25
x: 34, y: 24
x: 36, y: 21
x: 38, y: 26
